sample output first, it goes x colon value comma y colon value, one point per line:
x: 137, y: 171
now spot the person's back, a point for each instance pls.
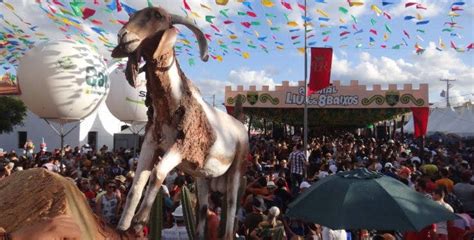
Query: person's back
x: 271, y: 227
x: 252, y: 220
x: 465, y: 192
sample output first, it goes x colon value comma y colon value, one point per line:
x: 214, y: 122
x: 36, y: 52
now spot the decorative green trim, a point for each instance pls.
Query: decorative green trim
x: 392, y: 97
x: 141, y: 102
x: 232, y: 100
x: 379, y: 100
x: 252, y: 97
x: 267, y: 97
x: 406, y: 98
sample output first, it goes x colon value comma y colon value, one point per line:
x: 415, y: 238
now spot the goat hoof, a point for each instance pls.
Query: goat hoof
x: 123, y: 227
x: 138, y: 227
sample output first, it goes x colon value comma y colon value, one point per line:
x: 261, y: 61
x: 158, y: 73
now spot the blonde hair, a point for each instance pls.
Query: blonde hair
x: 273, y: 213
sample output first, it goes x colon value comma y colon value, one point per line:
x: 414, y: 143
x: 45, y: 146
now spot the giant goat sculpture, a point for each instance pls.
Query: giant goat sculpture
x: 182, y: 131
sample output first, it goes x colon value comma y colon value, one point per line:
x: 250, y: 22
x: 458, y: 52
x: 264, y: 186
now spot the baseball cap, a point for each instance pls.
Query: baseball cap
x: 271, y: 184
x: 405, y: 170
x: 388, y: 165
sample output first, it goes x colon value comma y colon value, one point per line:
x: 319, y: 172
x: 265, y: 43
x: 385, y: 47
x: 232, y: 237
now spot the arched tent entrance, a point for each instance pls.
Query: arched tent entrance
x: 338, y: 105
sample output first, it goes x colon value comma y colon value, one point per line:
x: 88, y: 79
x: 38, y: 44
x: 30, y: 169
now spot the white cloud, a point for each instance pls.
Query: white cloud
x: 429, y: 68
x: 248, y: 77
x: 242, y: 76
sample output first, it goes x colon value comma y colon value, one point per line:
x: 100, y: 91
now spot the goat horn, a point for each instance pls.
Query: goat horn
x: 176, y: 19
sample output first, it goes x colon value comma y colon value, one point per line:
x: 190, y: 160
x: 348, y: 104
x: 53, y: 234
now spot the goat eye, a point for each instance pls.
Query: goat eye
x: 148, y: 15
x: 157, y: 15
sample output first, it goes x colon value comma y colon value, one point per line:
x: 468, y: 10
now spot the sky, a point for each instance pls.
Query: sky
x: 260, y: 42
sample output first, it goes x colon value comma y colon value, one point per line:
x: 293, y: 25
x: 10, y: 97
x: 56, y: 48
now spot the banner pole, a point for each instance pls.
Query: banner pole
x: 305, y: 114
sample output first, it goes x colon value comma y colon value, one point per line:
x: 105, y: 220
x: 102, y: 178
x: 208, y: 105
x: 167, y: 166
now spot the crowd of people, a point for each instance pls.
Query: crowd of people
x: 277, y: 171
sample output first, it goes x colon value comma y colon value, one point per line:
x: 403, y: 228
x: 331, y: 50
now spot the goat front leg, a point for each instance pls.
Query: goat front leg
x: 170, y: 160
x: 144, y: 167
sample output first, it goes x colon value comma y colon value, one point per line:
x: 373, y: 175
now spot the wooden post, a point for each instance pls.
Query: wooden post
x: 421, y: 150
x: 394, y: 128
x: 402, y: 134
x: 250, y: 125
x: 265, y: 126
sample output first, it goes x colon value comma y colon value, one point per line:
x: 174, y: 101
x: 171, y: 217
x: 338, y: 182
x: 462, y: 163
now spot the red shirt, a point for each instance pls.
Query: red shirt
x: 212, y: 225
x: 90, y: 194
x: 424, y: 234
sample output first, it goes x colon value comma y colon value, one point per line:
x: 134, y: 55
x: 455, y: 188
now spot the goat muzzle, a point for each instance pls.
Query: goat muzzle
x: 128, y: 42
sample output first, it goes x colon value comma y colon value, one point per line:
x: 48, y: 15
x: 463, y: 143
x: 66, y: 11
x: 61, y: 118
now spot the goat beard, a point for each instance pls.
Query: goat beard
x: 132, y: 70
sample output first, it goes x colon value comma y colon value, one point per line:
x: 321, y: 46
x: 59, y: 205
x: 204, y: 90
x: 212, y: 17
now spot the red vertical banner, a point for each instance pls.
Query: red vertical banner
x: 420, y: 120
x: 320, y: 73
x: 230, y: 110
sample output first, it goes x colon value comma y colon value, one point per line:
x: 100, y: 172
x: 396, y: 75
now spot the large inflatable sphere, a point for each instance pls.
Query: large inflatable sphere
x: 125, y: 102
x: 62, y: 80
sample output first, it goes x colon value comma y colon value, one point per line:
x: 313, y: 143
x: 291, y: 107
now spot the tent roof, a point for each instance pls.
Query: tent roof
x: 447, y: 120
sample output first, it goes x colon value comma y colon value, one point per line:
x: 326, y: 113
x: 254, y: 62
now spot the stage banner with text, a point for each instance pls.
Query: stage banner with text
x: 336, y: 95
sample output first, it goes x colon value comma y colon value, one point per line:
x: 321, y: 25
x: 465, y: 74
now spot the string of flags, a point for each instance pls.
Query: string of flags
x: 243, y: 27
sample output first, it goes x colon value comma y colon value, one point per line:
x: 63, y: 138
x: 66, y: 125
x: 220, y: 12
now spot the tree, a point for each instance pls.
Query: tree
x: 12, y: 113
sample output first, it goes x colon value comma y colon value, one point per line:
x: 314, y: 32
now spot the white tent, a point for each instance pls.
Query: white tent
x: 409, y: 126
x: 464, y: 123
x: 447, y: 120
x: 441, y: 119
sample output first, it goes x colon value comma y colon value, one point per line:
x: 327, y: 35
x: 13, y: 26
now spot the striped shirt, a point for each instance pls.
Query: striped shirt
x: 297, y: 161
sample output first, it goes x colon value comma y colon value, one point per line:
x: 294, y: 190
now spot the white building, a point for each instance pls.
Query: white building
x: 96, y: 130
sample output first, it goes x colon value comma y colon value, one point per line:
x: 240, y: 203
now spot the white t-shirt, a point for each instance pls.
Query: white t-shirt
x: 322, y: 174
x: 175, y: 233
x: 329, y: 234
x: 442, y: 227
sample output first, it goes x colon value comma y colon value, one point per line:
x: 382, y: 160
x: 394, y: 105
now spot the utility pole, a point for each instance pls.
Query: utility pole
x: 214, y: 100
x: 305, y: 113
x: 448, y: 85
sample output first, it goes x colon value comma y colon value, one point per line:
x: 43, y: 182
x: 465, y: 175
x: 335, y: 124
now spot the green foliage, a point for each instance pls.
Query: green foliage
x: 12, y: 113
x: 156, y: 216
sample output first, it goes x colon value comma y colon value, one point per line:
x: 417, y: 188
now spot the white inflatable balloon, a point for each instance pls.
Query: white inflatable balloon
x: 125, y: 102
x: 62, y: 80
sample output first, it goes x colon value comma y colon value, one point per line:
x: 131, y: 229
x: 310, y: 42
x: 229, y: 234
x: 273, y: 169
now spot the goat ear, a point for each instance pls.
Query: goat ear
x: 132, y: 69
x: 118, y: 52
x: 167, y: 42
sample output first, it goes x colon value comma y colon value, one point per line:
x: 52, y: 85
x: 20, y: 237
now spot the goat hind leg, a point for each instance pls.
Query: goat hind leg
x: 170, y: 160
x: 232, y: 180
x: 233, y: 175
x: 202, y: 186
x: 144, y: 167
